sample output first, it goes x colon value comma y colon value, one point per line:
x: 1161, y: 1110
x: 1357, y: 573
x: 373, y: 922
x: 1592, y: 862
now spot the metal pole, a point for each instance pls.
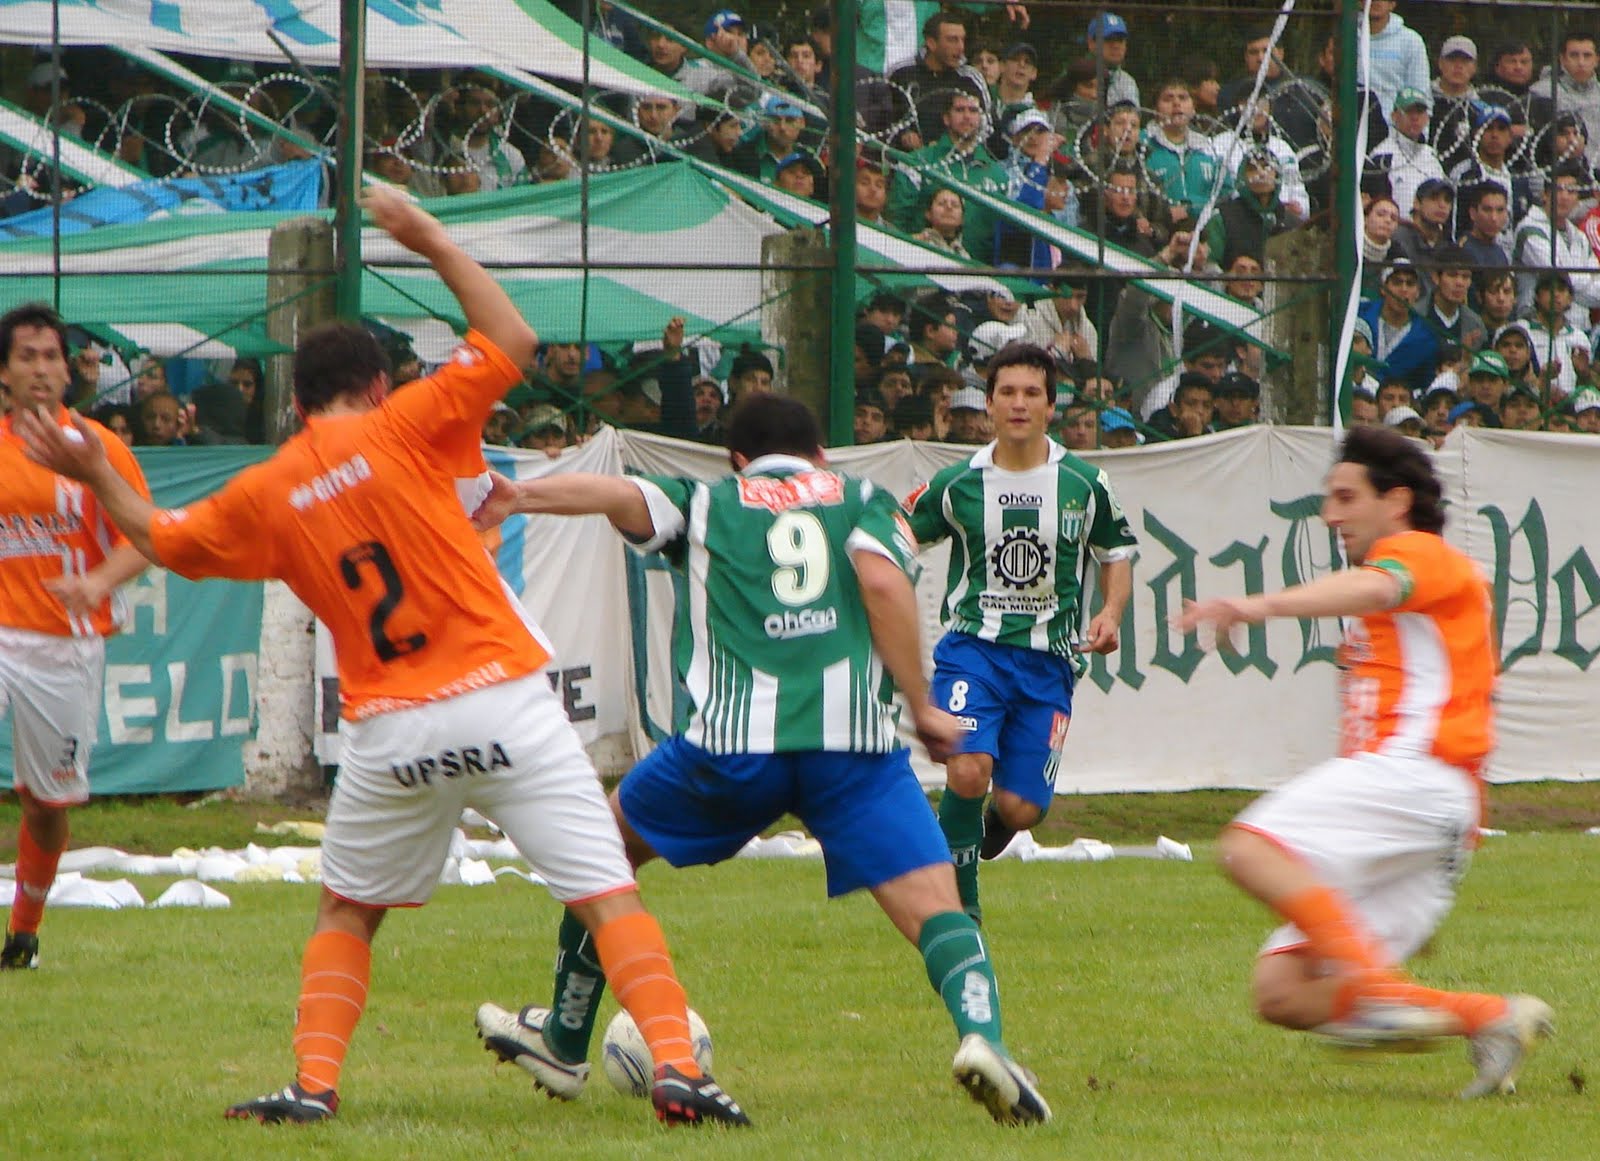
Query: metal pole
x: 352, y: 135
x: 839, y: 422
x: 55, y: 152
x: 1349, y: 105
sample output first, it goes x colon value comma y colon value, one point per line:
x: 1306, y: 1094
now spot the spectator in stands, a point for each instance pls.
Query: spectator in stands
x: 804, y: 75
x: 987, y: 62
x: 560, y: 378
x: 1565, y: 142
x: 84, y: 361
x: 886, y: 311
x: 1428, y: 230
x: 1237, y: 402
x: 871, y: 422
x: 1230, y: 149
x: 894, y: 384
x: 1108, y: 40
x: 959, y: 154
x: 656, y: 115
x: 150, y: 379
x: 1402, y: 341
x: 1488, y: 379
x: 1137, y: 342
x: 969, y: 417
x: 719, y: 138
x: 1539, y: 243
x: 1495, y: 298
x: 1059, y: 322
x: 1575, y: 89
x: 708, y: 405
x: 1243, y: 223
x: 913, y: 418
x: 1490, y: 161
x: 763, y: 59
x: 1076, y: 96
x: 1237, y: 91
x: 1399, y: 58
x: 1405, y: 158
x: 1586, y: 412
x: 1452, y: 320
x: 1013, y: 92
x: 1117, y: 429
x: 1393, y: 393
x: 482, y: 144
x: 1363, y: 410
x: 1113, y: 214
x: 1406, y: 421
x: 1378, y: 225
x: 249, y: 380
x: 1032, y: 144
x: 500, y: 425
x: 751, y: 374
x: 937, y: 74
x: 1206, y: 353
x: 1510, y: 78
x: 935, y: 338
x: 944, y: 215
x: 1435, y: 407
x: 1514, y: 344
x: 1179, y: 158
x: 872, y: 192
x: 159, y: 420
x: 1190, y: 412
x: 1561, y: 348
x: 1485, y: 206
x: 1243, y: 281
x: 116, y: 418
x: 1520, y: 410
x: 544, y: 430
x: 938, y: 386
x: 801, y: 174
x: 1454, y: 99
x: 782, y: 122
x: 1077, y: 427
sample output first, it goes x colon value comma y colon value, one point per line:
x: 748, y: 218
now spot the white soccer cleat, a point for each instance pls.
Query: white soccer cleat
x: 1376, y: 1026
x: 518, y: 1037
x: 998, y: 1083
x: 1499, y: 1050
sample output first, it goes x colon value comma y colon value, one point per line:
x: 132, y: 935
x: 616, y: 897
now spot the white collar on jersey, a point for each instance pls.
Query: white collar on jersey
x: 985, y: 456
x: 778, y: 462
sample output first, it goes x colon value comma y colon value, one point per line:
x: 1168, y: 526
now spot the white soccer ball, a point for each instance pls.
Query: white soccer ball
x: 626, y: 1057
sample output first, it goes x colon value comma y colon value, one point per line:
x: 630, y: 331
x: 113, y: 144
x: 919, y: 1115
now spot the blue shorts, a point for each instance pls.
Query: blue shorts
x: 867, y: 810
x: 1014, y: 705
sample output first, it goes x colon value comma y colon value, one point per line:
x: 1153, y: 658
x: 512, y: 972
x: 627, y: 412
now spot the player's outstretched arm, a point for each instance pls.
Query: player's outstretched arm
x: 1352, y: 592
x: 892, y: 613
x: 488, y: 308
x: 569, y: 494
x: 83, y: 458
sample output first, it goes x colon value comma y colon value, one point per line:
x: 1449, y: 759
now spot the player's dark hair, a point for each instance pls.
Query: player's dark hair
x: 29, y: 314
x: 764, y: 425
x: 1023, y: 355
x: 1394, y: 461
x: 335, y: 359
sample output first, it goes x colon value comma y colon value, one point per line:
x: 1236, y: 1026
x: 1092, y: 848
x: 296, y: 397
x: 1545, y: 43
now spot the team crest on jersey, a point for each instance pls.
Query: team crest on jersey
x: 1020, y: 559
x: 1072, y: 523
x: 779, y: 494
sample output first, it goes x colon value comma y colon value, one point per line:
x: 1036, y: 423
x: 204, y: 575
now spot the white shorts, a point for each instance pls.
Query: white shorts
x: 52, y: 686
x: 1393, y: 834
x: 507, y: 751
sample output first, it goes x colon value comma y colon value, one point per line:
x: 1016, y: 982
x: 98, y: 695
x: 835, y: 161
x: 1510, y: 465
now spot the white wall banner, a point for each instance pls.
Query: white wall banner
x: 1223, y: 514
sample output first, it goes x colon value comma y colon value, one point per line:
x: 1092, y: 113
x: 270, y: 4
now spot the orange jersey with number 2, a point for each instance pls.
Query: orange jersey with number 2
x: 1419, y: 677
x: 359, y: 514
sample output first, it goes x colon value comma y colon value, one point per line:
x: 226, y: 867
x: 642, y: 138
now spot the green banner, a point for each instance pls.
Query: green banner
x: 180, y: 678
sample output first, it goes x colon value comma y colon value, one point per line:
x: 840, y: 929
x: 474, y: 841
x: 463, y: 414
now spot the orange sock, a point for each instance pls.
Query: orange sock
x: 1473, y: 1009
x: 1337, y: 935
x: 633, y: 953
x: 333, y: 992
x: 36, y: 871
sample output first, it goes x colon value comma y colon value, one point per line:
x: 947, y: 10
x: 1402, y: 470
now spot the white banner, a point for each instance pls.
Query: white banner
x: 1229, y: 513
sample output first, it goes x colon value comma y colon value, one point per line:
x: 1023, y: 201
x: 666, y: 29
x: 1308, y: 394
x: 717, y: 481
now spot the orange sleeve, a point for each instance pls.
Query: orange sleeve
x: 447, y: 409
x: 212, y: 538
x: 1414, y: 560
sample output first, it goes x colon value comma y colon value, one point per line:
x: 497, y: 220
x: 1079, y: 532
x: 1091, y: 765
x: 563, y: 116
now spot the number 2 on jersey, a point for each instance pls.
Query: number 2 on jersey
x: 373, y: 553
x: 799, y: 544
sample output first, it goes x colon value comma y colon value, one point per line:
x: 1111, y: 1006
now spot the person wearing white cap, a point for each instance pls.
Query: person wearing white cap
x: 1405, y: 420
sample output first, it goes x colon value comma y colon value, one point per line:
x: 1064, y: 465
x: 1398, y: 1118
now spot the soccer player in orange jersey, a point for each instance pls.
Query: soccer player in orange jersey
x: 444, y: 701
x: 61, y: 559
x: 1361, y: 855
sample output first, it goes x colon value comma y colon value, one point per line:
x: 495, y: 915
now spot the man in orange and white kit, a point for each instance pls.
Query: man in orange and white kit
x: 444, y: 704
x: 1361, y: 855
x: 61, y: 559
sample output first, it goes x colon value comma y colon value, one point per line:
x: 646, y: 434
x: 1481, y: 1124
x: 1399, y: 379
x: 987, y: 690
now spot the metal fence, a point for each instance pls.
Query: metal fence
x: 1180, y: 200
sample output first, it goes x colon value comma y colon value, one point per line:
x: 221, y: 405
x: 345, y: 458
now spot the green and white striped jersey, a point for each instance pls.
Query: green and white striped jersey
x: 772, y: 641
x: 1020, y: 545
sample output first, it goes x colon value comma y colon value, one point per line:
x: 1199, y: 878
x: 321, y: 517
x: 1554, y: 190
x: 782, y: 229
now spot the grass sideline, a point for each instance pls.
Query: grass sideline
x: 1123, y: 985
x: 157, y: 824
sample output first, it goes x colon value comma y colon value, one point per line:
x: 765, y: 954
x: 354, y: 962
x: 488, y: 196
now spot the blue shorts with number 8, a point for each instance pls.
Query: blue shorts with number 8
x: 1013, y: 704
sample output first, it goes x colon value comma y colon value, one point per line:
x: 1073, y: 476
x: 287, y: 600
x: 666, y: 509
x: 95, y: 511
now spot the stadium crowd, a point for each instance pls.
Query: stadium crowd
x: 1480, y: 235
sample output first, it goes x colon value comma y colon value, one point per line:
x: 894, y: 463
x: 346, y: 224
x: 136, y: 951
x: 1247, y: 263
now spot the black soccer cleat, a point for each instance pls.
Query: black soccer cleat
x: 693, y: 1100
x: 997, y: 835
x: 20, y: 952
x: 292, y: 1103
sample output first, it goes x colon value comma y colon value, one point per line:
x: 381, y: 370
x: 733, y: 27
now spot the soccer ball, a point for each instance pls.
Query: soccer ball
x: 626, y: 1056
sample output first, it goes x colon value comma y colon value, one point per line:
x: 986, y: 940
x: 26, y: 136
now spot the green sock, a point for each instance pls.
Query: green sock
x: 579, y: 985
x: 958, y: 966
x: 961, y: 819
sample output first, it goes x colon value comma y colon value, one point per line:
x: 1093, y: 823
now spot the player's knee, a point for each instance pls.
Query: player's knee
x: 1017, y: 813
x: 969, y: 774
x: 1279, y: 994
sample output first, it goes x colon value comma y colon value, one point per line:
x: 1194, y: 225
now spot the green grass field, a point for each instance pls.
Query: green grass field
x: 1123, y: 985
